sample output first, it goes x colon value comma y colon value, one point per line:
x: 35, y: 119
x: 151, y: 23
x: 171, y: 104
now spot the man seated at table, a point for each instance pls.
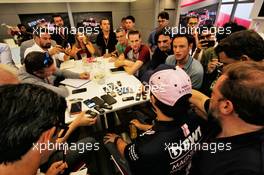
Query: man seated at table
x: 162, y: 148
x: 39, y: 68
x: 106, y: 39
x: 42, y: 40
x: 164, y: 49
x: 136, y: 57
x: 122, y: 41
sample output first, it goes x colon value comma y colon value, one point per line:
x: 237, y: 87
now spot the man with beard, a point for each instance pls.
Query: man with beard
x: 43, y: 44
x: 164, y: 49
x: 61, y: 34
x: 237, y: 103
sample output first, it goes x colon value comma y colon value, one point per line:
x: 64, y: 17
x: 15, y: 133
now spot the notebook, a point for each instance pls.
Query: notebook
x: 76, y: 83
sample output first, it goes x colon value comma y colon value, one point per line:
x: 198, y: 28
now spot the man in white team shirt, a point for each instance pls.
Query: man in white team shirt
x: 42, y: 40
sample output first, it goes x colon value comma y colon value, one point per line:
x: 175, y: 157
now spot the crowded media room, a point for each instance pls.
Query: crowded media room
x: 132, y: 87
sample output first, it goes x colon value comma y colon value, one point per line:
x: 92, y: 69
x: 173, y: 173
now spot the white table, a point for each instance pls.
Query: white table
x: 95, y: 89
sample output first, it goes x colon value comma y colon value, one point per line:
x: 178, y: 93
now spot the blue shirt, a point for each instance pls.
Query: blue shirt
x: 193, y: 68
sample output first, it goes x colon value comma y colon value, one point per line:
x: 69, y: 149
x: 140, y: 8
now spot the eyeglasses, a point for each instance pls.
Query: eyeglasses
x: 47, y: 60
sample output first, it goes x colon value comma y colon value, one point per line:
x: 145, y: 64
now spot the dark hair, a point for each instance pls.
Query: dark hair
x: 228, y: 29
x: 131, y: 18
x: 189, y: 38
x: 123, y: 19
x: 188, y: 17
x: 119, y: 30
x: 80, y: 24
x: 164, y: 15
x: 56, y: 15
x: 181, y: 107
x: 244, y: 87
x: 245, y: 42
x: 133, y: 32
x: 20, y: 26
x: 103, y: 20
x: 26, y: 111
x: 161, y: 32
x: 36, y: 61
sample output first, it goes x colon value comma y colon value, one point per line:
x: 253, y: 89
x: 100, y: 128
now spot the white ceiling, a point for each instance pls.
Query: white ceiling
x: 53, y: 1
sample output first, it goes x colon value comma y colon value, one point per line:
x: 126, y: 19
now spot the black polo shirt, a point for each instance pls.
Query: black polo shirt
x: 164, y: 149
x: 106, y: 44
x: 63, y: 40
x: 237, y: 155
x: 245, y: 156
x: 159, y: 57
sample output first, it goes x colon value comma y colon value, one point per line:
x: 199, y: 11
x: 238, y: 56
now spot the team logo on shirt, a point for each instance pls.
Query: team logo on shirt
x: 177, y: 149
x: 185, y: 130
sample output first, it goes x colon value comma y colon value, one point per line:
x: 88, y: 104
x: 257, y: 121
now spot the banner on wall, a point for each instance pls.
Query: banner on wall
x: 186, y: 3
x: 207, y: 15
x: 87, y: 19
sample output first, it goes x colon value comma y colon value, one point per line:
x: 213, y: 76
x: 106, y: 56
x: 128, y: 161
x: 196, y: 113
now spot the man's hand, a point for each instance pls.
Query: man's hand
x: 136, y: 123
x: 202, y: 45
x: 83, y: 120
x: 57, y: 168
x: 112, y: 59
x: 110, y: 137
x: 55, y: 50
x: 212, y: 65
x: 107, y: 55
x: 84, y: 75
x: 122, y: 57
x: 140, y: 126
x: 73, y: 52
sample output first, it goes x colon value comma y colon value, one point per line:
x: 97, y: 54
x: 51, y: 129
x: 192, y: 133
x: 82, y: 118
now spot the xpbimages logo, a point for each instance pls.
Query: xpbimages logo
x: 80, y: 147
x: 65, y: 30
x: 172, y: 31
